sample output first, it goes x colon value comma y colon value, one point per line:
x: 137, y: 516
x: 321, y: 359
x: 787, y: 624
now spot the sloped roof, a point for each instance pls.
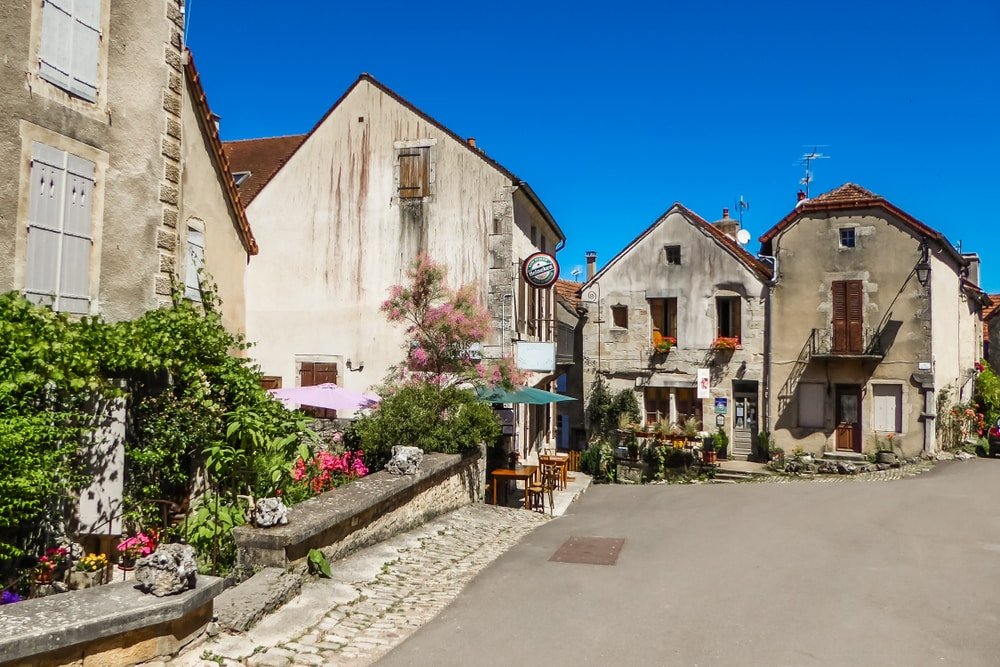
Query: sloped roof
x: 207, y: 122
x: 989, y: 312
x: 569, y: 291
x: 759, y: 268
x: 262, y: 158
x: 850, y: 196
x: 275, y: 150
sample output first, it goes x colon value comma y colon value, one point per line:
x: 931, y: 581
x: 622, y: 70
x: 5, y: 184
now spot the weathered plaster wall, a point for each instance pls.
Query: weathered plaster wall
x: 706, y: 271
x: 140, y: 65
x: 810, y: 259
x: 204, y: 199
x: 957, y: 330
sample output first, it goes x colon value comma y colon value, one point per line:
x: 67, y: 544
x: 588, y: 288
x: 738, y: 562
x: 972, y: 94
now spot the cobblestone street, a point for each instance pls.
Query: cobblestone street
x: 377, y: 597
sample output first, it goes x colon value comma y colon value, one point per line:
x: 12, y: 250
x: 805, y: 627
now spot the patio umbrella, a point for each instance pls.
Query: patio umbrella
x: 327, y: 395
x: 526, y: 395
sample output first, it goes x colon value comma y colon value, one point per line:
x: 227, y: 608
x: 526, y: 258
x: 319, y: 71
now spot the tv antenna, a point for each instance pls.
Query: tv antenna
x: 742, y: 205
x: 806, y: 160
x: 576, y: 272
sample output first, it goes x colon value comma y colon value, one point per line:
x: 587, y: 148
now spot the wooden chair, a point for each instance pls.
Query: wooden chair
x: 546, y: 484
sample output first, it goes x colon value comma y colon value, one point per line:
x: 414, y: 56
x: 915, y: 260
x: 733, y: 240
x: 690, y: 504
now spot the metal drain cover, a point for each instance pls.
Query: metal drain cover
x: 589, y: 550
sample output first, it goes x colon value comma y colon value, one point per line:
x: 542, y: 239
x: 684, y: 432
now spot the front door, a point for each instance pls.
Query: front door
x: 744, y: 424
x: 849, y: 418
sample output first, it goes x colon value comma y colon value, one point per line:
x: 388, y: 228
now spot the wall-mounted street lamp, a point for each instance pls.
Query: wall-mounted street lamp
x: 923, y: 267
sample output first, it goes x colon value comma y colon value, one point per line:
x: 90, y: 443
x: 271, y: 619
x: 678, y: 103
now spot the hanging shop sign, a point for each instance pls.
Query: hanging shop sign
x: 540, y: 270
x: 721, y: 406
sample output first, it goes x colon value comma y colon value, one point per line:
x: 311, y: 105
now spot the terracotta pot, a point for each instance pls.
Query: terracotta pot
x: 43, y: 577
x: 708, y: 456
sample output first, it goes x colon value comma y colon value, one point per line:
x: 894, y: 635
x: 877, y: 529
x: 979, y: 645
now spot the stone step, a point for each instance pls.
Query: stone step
x: 852, y: 457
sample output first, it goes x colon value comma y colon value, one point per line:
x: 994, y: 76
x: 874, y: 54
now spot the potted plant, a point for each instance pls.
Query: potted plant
x: 691, y: 428
x: 662, y: 344
x: 632, y: 445
x: 47, y: 569
x: 134, y: 547
x: 89, y: 571
x: 721, y: 441
x: 885, y: 450
x: 726, y: 343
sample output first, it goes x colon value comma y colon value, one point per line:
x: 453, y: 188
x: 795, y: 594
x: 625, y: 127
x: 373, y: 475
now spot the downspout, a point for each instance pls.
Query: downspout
x: 768, y: 293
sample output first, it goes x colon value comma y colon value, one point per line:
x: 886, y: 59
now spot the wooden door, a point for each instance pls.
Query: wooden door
x: 849, y: 418
x: 848, y: 317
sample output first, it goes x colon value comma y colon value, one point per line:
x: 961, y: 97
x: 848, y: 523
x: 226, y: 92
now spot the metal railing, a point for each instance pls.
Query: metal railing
x: 821, y: 344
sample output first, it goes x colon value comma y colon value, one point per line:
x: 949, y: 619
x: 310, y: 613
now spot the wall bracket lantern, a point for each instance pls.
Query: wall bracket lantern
x: 923, y: 267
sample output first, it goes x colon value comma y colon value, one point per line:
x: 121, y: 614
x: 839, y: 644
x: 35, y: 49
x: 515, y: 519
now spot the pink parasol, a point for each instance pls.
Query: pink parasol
x: 327, y: 395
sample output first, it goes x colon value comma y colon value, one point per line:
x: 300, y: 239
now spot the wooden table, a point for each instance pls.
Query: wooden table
x: 524, y: 473
x: 561, y: 460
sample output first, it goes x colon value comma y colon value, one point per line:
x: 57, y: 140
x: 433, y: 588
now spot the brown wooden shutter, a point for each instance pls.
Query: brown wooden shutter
x: 312, y: 373
x: 270, y: 382
x: 737, y: 319
x: 671, y: 319
x: 855, y: 317
x: 848, y: 316
x: 414, y: 173
x: 306, y: 374
x: 657, y: 315
x: 522, y: 297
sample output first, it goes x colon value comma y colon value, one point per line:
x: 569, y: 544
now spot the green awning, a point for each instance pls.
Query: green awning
x: 525, y: 395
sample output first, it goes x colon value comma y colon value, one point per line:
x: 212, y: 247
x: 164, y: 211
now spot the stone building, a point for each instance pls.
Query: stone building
x: 571, y: 318
x: 873, y: 315
x: 683, y: 296
x: 342, y: 212
x: 91, y: 125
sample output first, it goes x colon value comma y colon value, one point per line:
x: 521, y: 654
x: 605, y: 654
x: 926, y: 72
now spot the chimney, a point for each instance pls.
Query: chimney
x: 728, y: 225
x: 591, y: 263
x: 472, y: 141
x: 802, y: 196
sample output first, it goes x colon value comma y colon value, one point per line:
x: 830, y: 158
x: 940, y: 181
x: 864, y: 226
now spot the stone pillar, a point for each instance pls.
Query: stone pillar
x: 170, y: 148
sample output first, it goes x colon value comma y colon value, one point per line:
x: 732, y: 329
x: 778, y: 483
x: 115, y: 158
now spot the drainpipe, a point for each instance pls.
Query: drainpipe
x: 768, y: 292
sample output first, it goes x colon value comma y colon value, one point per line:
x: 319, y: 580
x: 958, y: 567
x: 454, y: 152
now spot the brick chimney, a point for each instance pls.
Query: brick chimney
x: 591, y: 263
x: 472, y: 141
x: 802, y: 196
x: 728, y: 225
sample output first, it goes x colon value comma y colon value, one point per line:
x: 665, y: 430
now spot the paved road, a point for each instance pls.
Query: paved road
x: 880, y: 573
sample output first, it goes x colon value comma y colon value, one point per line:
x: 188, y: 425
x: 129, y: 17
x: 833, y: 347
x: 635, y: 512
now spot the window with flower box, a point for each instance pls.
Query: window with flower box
x: 728, y: 321
x: 663, y: 317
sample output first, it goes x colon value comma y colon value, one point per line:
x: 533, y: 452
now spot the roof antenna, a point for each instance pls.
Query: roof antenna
x: 576, y: 272
x: 806, y: 160
x: 742, y: 205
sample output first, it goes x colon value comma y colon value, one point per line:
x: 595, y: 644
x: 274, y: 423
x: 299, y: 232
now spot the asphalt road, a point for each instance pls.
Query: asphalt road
x: 858, y: 573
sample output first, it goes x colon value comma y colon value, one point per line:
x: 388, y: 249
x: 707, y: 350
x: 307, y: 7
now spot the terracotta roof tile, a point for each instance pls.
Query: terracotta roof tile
x: 569, y: 291
x: 848, y: 192
x: 200, y: 101
x: 988, y: 312
x: 262, y: 158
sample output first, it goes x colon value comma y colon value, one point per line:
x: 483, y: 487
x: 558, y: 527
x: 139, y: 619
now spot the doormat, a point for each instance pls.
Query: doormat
x: 589, y: 550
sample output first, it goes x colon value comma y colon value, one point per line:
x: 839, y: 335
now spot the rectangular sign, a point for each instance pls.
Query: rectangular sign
x: 704, y: 383
x: 721, y: 406
x: 506, y: 417
x: 536, y: 357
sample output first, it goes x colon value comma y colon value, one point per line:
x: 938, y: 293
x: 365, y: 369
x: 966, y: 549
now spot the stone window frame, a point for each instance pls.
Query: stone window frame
x: 31, y: 133
x: 398, y: 148
x: 848, y: 237
x: 98, y: 110
x: 672, y: 254
x: 901, y: 406
x: 619, y: 316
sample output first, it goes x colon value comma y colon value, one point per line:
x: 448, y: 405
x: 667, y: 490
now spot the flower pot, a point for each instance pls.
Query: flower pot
x: 78, y: 580
x: 708, y: 456
x: 43, y: 577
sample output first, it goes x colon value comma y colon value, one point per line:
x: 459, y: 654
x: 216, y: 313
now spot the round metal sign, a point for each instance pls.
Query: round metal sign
x: 540, y: 270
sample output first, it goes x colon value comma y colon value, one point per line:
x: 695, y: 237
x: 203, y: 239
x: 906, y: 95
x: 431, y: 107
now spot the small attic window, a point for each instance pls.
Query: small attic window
x: 239, y: 177
x: 673, y: 254
x: 619, y: 316
x: 847, y: 238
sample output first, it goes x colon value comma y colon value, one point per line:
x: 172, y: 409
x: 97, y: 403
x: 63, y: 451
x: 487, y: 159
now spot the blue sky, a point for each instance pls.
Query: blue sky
x: 613, y: 111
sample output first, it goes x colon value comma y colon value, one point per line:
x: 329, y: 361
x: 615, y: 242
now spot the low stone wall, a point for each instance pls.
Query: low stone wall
x: 365, y: 512
x: 114, y: 624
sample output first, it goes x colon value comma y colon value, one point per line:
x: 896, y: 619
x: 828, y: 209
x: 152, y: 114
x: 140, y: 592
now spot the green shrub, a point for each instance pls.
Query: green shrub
x: 424, y: 415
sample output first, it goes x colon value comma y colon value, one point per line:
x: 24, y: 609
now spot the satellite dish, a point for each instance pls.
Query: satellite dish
x: 743, y: 237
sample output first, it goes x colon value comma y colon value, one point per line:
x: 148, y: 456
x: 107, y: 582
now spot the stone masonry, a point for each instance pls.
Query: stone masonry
x: 170, y: 143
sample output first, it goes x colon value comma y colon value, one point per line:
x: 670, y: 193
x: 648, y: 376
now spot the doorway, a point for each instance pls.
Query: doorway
x: 744, y: 418
x: 848, y: 417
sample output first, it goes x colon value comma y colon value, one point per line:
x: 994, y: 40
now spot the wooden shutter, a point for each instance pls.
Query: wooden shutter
x: 195, y: 262
x: 657, y: 315
x: 848, y: 316
x: 55, y: 52
x: 306, y: 377
x: 671, y: 319
x: 414, y: 176
x: 313, y: 373
x: 45, y: 210
x: 86, y: 46
x: 74, y: 263
x: 270, y: 382
x: 736, y: 314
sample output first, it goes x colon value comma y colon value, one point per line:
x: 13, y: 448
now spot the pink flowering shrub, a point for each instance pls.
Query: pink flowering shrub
x: 325, y: 470
x: 138, y: 545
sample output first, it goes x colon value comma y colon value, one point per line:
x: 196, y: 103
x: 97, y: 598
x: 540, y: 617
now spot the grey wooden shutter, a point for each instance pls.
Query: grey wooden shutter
x: 60, y: 233
x: 77, y: 239
x: 44, y: 223
x: 86, y: 46
x: 55, y: 53
x: 195, y: 263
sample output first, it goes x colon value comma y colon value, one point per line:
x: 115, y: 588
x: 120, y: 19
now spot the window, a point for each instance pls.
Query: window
x: 195, y: 263
x: 70, y: 43
x: 656, y: 403
x: 812, y: 399
x: 888, y: 407
x: 673, y: 254
x: 727, y: 317
x: 239, y: 177
x: 414, y: 172
x: 848, y: 316
x: 313, y: 373
x: 847, y: 237
x: 543, y: 243
x: 59, y: 230
x: 663, y: 316
x: 619, y: 316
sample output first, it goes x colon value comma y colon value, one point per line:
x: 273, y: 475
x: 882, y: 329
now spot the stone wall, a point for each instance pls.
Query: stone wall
x: 365, y: 512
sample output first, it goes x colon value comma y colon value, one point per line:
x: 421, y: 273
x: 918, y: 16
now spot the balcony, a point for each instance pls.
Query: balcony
x: 862, y: 343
